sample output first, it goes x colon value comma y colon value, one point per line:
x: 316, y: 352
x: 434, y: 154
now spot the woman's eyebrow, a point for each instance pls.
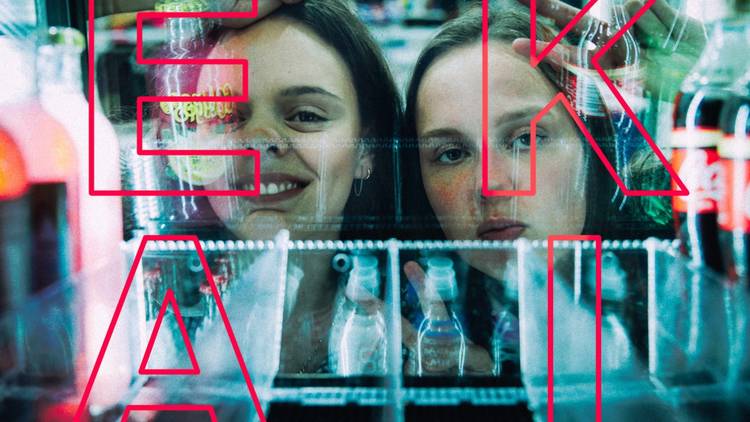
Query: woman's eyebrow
x: 296, y: 91
x: 526, y: 113
x: 443, y: 133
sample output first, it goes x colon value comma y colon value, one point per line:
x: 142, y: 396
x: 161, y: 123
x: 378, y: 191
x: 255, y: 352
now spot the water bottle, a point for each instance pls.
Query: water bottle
x: 359, y: 339
x: 441, y: 344
x: 505, y: 342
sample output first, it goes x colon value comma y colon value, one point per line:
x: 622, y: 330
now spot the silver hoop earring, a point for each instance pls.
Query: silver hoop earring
x: 360, y: 182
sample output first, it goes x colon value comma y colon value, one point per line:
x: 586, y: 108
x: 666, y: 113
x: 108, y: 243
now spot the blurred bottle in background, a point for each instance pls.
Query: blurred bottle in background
x: 51, y: 164
x: 358, y: 341
x: 697, y: 132
x: 734, y: 152
x: 441, y: 343
x: 61, y: 93
x: 15, y: 243
x: 44, y: 220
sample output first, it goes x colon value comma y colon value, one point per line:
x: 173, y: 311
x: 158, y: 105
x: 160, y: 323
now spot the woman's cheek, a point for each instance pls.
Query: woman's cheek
x: 335, y: 162
x: 450, y: 193
x: 561, y: 192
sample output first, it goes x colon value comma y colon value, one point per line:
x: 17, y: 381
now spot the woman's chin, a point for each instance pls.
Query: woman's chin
x: 261, y: 225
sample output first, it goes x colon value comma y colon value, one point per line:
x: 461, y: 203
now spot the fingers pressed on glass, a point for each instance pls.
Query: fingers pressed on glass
x: 429, y: 297
x: 561, y: 13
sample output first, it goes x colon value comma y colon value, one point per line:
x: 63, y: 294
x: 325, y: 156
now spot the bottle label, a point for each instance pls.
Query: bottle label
x: 13, y: 181
x: 734, y: 209
x: 199, y: 112
x: 732, y: 147
x: 700, y: 170
x: 700, y: 137
x: 588, y: 93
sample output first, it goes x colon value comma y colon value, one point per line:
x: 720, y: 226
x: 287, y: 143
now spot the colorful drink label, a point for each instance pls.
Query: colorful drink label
x: 734, y: 208
x: 696, y: 161
x: 199, y: 112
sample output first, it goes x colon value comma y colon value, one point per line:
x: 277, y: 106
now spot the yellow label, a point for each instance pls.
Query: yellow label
x: 198, y: 112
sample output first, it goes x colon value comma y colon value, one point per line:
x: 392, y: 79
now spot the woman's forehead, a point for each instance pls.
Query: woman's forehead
x: 286, y: 52
x: 457, y: 78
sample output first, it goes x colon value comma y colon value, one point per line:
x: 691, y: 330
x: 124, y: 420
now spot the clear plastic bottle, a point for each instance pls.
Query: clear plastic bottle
x: 174, y: 127
x: 61, y: 93
x: 505, y: 341
x: 697, y: 133
x: 359, y: 341
x: 594, y: 101
x: 441, y: 343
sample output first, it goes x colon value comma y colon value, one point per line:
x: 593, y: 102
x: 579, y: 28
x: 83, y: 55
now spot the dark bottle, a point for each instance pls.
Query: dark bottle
x: 41, y: 225
x: 696, y: 135
x: 734, y: 208
x: 49, y: 214
x: 695, y: 138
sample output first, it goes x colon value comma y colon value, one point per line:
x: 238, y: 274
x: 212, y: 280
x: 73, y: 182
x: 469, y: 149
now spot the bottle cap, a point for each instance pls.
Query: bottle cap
x: 614, y: 278
x: 365, y: 261
x: 64, y: 37
x: 363, y: 284
x: 441, y: 283
x: 439, y: 262
x: 181, y: 6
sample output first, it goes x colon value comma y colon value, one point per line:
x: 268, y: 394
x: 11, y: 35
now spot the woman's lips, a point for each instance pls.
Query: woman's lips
x: 276, y: 187
x: 500, y: 229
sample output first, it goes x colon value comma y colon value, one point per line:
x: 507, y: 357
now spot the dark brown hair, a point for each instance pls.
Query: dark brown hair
x: 365, y: 215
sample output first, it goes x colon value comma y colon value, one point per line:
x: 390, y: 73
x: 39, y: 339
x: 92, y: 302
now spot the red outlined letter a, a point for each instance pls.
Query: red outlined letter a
x: 178, y: 374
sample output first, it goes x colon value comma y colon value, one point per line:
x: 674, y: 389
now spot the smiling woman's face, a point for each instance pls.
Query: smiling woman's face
x: 303, y: 117
x: 449, y: 126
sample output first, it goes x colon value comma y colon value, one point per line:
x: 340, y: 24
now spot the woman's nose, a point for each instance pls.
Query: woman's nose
x: 502, y: 174
x: 268, y: 141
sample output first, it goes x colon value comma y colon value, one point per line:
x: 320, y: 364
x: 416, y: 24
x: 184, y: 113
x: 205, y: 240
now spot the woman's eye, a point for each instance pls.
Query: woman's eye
x: 307, y: 117
x: 451, y: 156
x: 523, y: 141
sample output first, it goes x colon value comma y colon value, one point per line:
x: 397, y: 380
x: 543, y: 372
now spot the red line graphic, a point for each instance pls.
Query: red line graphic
x: 550, y: 320
x: 80, y: 413
x: 176, y: 99
x: 169, y: 408
x: 683, y: 190
x: 169, y: 299
x: 535, y: 60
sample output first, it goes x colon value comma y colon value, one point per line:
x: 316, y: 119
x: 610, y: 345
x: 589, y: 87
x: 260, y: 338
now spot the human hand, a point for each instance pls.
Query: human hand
x: 477, y: 361
x: 670, y: 42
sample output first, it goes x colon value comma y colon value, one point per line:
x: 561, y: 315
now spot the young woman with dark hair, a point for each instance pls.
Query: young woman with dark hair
x: 323, y: 112
x: 441, y: 158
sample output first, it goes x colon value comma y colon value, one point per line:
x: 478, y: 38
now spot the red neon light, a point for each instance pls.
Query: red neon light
x: 80, y: 413
x: 550, y: 321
